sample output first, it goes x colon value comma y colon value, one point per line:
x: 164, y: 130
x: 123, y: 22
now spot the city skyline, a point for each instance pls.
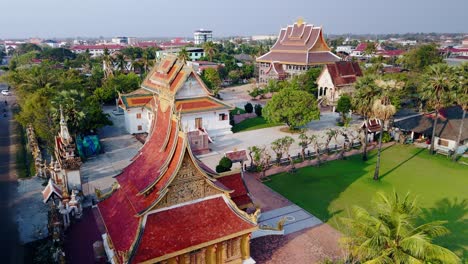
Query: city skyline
x: 53, y: 19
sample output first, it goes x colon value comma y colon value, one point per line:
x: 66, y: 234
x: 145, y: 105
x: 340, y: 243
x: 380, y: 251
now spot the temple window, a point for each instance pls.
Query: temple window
x: 140, y: 128
x: 138, y: 115
x: 223, y: 117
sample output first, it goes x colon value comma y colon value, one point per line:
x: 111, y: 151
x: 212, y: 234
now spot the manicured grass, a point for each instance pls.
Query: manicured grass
x: 252, y: 124
x: 440, y: 185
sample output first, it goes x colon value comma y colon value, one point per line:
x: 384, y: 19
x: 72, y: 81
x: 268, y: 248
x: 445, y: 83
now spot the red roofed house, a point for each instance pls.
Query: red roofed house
x: 165, y: 207
x: 298, y: 47
x: 171, y: 77
x: 337, y: 79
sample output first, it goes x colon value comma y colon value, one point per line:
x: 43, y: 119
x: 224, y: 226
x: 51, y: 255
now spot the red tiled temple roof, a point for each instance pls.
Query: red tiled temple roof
x: 240, y: 195
x: 200, y: 104
x: 344, y: 72
x: 189, y: 225
x: 126, y: 213
x: 301, y: 44
x: 120, y: 220
x: 169, y: 75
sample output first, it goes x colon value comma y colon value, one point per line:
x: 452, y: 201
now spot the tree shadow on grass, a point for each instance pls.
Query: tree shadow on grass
x: 401, y: 163
x: 455, y: 212
x: 373, y: 152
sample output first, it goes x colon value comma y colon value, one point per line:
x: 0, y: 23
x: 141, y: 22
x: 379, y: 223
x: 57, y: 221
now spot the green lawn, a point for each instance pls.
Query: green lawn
x: 441, y: 187
x: 252, y: 124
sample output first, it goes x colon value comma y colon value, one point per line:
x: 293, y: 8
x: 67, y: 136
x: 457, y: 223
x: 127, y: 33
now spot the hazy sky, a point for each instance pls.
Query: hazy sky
x: 157, y: 18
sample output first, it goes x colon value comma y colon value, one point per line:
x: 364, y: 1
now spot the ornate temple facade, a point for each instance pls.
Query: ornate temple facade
x: 199, y: 110
x: 337, y: 79
x: 167, y: 206
x: 298, y: 47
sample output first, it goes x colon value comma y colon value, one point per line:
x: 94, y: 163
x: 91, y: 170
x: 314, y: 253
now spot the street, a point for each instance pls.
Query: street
x: 12, y: 251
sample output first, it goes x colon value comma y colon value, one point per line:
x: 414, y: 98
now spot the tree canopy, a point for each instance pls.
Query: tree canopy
x: 291, y: 106
x: 389, y: 234
x: 421, y: 57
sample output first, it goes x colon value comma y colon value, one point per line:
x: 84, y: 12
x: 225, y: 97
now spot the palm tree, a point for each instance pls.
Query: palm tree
x: 462, y: 100
x: 108, y: 62
x: 210, y: 49
x: 382, y: 110
x: 121, y: 61
x: 390, y: 235
x: 147, y: 61
x: 438, y: 90
x: 72, y: 102
x: 183, y: 55
x: 363, y: 98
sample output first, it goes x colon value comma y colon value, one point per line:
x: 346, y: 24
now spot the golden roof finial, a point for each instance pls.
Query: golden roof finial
x: 300, y: 21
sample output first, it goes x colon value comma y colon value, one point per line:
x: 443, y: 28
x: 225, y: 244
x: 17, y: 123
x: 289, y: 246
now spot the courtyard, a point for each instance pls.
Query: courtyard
x: 440, y: 185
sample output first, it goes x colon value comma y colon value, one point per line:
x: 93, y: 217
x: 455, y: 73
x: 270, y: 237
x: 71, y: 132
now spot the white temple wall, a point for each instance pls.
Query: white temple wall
x: 135, y: 125
x: 210, y: 121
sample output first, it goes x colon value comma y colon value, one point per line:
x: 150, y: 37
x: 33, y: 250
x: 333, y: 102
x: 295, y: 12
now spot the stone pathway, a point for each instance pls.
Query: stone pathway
x: 119, y: 147
x: 264, y: 137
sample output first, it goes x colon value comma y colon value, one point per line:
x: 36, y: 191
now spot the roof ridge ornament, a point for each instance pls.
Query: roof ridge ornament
x: 300, y: 21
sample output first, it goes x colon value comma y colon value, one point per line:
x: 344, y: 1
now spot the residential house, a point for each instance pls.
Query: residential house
x: 447, y: 130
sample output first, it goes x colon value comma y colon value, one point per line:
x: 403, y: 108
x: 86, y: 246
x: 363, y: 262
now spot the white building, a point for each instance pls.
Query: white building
x: 96, y: 50
x: 344, y: 49
x: 194, y: 52
x: 202, y: 35
x: 124, y: 40
x: 173, y: 79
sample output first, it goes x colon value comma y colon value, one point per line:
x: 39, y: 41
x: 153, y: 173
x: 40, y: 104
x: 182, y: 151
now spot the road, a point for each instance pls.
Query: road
x: 11, y: 250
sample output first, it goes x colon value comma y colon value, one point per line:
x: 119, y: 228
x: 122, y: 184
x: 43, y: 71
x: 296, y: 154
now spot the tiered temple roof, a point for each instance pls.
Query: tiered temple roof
x: 167, y: 78
x: 166, y: 204
x: 300, y: 44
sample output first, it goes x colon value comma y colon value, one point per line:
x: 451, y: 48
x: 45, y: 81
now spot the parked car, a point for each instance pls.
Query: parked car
x: 5, y: 92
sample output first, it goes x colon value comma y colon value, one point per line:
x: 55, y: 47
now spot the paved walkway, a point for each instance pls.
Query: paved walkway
x: 119, y: 147
x: 264, y: 137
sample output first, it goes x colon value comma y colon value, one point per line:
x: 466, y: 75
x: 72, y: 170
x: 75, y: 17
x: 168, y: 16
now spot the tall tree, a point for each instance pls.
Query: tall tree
x: 438, y: 90
x: 121, y: 61
x: 383, y: 110
x: 183, y: 55
x: 108, y: 62
x: 210, y: 49
x: 363, y: 98
x: 390, y: 235
x: 462, y: 100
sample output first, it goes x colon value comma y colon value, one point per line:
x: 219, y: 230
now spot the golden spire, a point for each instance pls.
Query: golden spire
x: 300, y: 21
